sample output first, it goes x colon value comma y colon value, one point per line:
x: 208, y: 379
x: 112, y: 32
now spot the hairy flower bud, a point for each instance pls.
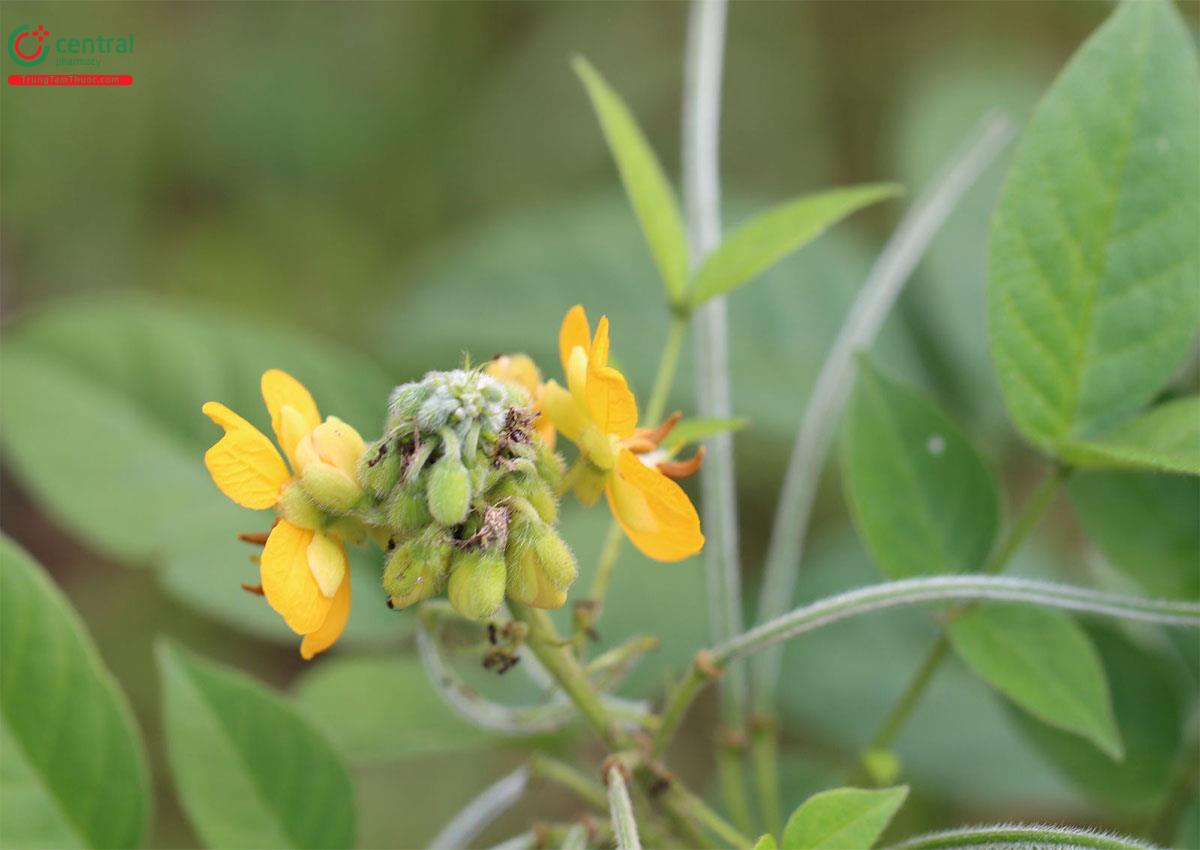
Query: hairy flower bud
x: 477, y: 580
x: 417, y: 568
x: 298, y: 508
x: 408, y: 508
x: 379, y: 468
x: 327, y: 458
x: 449, y: 487
x: 540, y: 566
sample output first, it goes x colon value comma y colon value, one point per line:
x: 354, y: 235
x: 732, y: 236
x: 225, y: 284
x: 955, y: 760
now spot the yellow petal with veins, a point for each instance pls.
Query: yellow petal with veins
x: 610, y: 401
x: 279, y: 389
x: 331, y: 629
x: 574, y: 332
x: 653, y: 510
x: 243, y: 464
x: 327, y: 561
x: 288, y: 581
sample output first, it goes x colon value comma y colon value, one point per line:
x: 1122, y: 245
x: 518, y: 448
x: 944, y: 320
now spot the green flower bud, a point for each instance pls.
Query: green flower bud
x: 557, y: 560
x: 540, y: 566
x: 477, y: 581
x: 380, y: 466
x: 417, y: 568
x: 588, y: 480
x: 298, y: 508
x: 408, y: 508
x: 349, y: 529
x: 530, y: 489
x: 549, y: 465
x: 331, y: 488
x: 449, y: 485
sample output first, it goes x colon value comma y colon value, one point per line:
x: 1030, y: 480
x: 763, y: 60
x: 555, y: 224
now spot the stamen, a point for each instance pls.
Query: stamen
x: 257, y: 538
x: 682, y: 468
x: 256, y: 589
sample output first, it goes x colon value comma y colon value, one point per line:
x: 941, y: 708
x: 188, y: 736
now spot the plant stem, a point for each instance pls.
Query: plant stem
x: 731, y: 752
x: 570, y: 676
x: 621, y: 808
x: 1025, y: 522
x: 668, y: 364
x: 546, y: 767
x: 938, y: 588
x: 702, y: 212
x: 679, y: 804
x: 604, y: 568
x: 766, y: 768
x: 1019, y: 837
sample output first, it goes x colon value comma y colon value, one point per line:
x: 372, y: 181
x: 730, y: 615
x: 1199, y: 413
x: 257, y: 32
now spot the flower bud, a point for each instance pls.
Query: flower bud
x: 448, y: 489
x: 588, y: 480
x: 417, y: 569
x: 550, y: 465
x: 540, y: 566
x: 379, y: 467
x: 477, y: 581
x: 408, y: 508
x: 531, y: 489
x: 328, y: 458
x: 557, y: 560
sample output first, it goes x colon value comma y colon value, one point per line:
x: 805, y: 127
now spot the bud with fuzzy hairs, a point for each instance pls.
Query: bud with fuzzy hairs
x: 477, y: 581
x: 448, y: 489
x: 418, y: 567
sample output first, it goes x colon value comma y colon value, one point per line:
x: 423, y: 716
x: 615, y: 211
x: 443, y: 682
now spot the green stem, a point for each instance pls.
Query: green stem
x: 546, y: 767
x: 1017, y: 837
x: 731, y: 753
x: 604, y: 568
x: 764, y: 750
x: 1025, y: 522
x: 558, y: 660
x: 667, y: 366
x: 679, y: 804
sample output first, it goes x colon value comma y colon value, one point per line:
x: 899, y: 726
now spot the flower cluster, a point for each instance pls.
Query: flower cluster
x: 461, y: 491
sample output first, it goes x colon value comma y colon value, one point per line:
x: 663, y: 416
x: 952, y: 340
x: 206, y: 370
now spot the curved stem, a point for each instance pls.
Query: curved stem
x: 584, y: 787
x: 955, y: 588
x: 1017, y: 837
x: 872, y: 305
x: 477, y: 815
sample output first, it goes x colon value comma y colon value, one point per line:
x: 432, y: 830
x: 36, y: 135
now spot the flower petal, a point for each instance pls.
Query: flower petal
x: 559, y: 405
x: 610, y: 401
x: 653, y: 510
x: 243, y: 464
x: 574, y: 332
x: 279, y: 390
x: 327, y: 560
x: 288, y: 581
x: 331, y: 629
x: 598, y: 352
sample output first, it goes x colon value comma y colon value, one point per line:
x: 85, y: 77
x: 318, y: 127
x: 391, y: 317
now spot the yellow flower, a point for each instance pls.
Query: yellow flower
x: 519, y: 369
x: 305, y: 574
x: 598, y: 413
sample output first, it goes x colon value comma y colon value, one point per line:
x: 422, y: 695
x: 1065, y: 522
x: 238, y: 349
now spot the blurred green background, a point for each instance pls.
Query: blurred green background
x: 359, y: 192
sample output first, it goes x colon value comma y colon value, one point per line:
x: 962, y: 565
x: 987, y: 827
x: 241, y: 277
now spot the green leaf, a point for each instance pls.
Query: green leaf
x: 380, y: 709
x: 699, y: 430
x: 842, y: 819
x: 647, y: 186
x: 251, y: 772
x: 921, y: 495
x: 1165, y: 438
x: 73, y: 773
x: 1149, y: 697
x: 1093, y: 257
x: 1147, y: 525
x: 103, y: 396
x: 766, y: 842
x: 771, y: 236
x: 1043, y: 661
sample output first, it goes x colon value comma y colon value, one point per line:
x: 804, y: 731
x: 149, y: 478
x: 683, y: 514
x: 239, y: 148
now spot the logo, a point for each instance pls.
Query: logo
x: 28, y: 46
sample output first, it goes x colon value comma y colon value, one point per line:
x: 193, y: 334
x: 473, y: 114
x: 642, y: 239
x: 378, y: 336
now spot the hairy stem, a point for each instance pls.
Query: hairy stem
x: 621, y: 808
x: 766, y: 769
x: 1032, y: 837
x: 668, y: 365
x: 477, y: 815
x: 553, y: 770
x: 952, y: 588
x: 702, y: 212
